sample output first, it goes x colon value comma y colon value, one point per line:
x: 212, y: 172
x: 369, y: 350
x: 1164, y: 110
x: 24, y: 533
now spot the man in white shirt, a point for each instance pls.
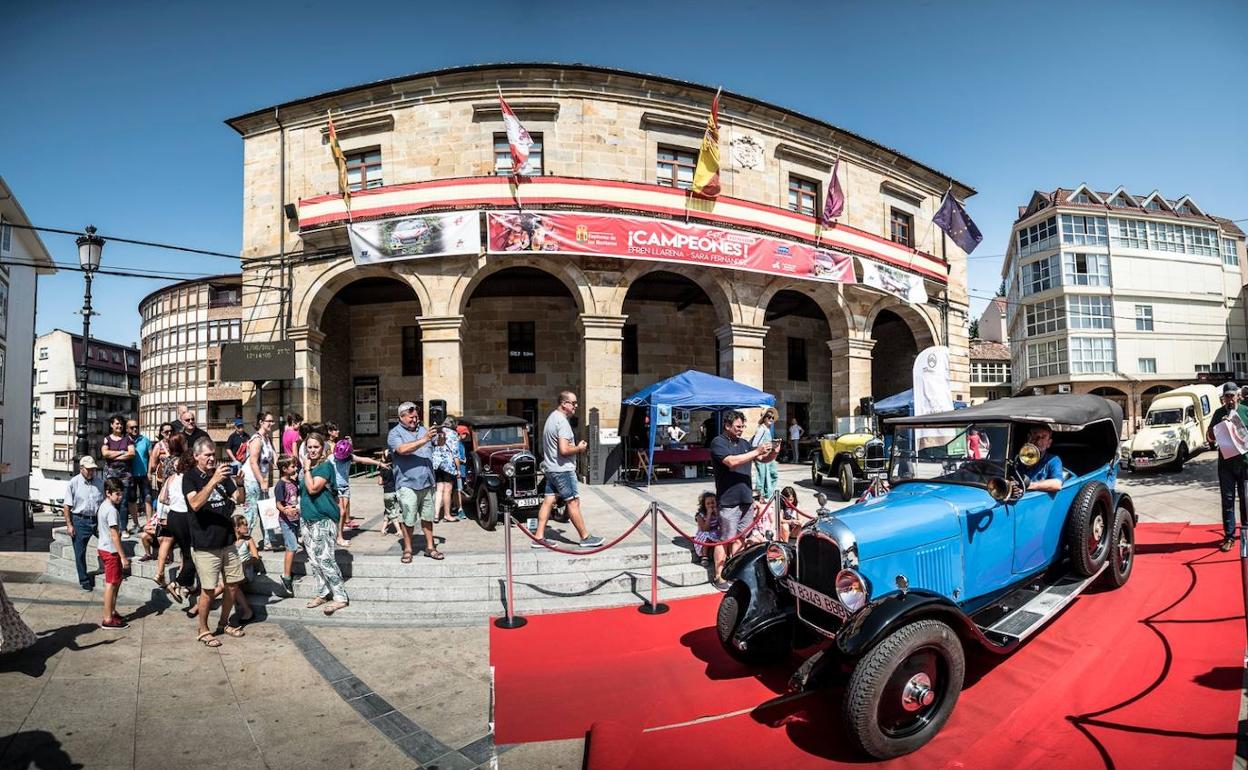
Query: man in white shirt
x: 559, y: 466
x: 795, y: 433
x: 83, y: 496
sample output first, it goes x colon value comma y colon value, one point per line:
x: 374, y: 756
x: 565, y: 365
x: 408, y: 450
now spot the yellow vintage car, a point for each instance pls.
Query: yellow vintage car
x: 853, y: 454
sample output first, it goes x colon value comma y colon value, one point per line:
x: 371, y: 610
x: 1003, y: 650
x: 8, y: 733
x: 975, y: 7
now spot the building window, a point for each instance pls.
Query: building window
x: 502, y: 157
x: 803, y: 195
x: 224, y: 296
x: 1087, y: 312
x: 1040, y: 275
x: 1143, y: 318
x: 797, y: 359
x: 521, y: 347
x: 1086, y: 269
x: 43, y: 354
x: 1163, y: 236
x: 1089, y: 355
x: 1229, y: 254
x: 1120, y: 201
x: 60, y: 454
x: 1045, y: 317
x: 1128, y: 233
x: 43, y: 376
x: 900, y: 227
x: 1153, y: 205
x: 675, y: 167
x: 1045, y: 359
x: 1148, y: 366
x: 1082, y: 197
x: 990, y: 372
x: 1203, y: 368
x: 62, y: 400
x: 1239, y: 361
x: 1040, y: 236
x: 364, y: 170
x: 628, y: 351
x: 1080, y: 230
x: 1200, y: 241
x: 413, y: 352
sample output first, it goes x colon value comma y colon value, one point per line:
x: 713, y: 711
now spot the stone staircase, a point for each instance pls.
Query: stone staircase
x: 464, y: 589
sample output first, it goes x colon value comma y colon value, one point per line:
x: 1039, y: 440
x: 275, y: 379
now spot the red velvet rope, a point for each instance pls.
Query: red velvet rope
x: 581, y: 551
x: 801, y: 513
x: 712, y: 543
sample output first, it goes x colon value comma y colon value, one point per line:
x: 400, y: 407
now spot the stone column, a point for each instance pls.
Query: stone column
x: 441, y: 338
x: 305, y: 391
x: 741, y: 358
x: 851, y: 373
x: 604, y: 335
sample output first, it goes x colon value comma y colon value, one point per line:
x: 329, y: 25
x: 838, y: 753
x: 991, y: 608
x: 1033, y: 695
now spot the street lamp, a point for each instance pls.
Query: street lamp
x: 90, y: 248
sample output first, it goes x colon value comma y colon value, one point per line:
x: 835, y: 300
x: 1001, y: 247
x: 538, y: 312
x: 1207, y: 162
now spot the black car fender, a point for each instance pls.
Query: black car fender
x: 1123, y: 500
x: 888, y: 613
x: 768, y: 602
x: 492, y: 483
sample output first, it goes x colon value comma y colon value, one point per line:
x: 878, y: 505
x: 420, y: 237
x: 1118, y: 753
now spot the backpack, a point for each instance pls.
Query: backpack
x: 240, y: 454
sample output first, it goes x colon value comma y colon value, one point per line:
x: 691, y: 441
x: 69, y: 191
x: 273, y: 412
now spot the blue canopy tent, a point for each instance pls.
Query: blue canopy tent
x: 903, y: 404
x: 693, y: 390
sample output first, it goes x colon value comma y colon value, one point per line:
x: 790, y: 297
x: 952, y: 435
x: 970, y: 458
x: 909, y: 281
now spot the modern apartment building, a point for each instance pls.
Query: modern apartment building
x: 1123, y: 295
x: 112, y: 388
x: 183, y: 327
x: 23, y: 258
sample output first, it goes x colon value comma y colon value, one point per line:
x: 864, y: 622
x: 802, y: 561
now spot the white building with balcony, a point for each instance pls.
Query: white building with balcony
x: 1123, y: 295
x: 112, y: 388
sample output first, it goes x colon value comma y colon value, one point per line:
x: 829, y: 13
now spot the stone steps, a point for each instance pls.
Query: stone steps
x: 464, y: 589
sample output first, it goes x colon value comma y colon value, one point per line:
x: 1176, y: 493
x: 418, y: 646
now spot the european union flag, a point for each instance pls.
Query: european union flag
x: 957, y: 224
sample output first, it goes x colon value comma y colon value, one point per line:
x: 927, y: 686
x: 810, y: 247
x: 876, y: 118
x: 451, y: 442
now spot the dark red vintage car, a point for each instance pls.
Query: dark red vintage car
x: 501, y: 477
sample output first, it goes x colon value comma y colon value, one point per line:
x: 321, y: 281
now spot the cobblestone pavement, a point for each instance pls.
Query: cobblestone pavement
x: 290, y: 696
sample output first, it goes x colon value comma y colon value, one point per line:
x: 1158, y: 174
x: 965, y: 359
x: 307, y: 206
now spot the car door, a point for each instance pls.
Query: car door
x: 1034, y: 515
x: 989, y: 548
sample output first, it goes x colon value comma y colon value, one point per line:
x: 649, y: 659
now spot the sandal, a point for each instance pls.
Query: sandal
x: 435, y: 554
x: 317, y: 602
x: 233, y: 631
x: 344, y: 544
x: 208, y: 640
x: 407, y: 557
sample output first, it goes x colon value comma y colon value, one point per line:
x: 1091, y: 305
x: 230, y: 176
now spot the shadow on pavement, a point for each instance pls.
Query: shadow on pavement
x: 35, y: 749
x: 33, y: 661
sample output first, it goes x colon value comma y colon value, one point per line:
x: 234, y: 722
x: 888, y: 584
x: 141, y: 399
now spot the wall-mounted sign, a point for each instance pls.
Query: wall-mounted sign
x: 257, y: 361
x: 663, y: 241
x: 415, y: 237
x: 367, y: 399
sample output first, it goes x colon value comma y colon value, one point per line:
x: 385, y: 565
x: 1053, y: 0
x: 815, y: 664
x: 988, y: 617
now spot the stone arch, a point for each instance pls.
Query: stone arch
x: 717, y: 288
x: 321, y: 289
x: 918, y: 321
x: 1118, y: 396
x: 798, y: 366
x: 825, y: 295
x: 565, y: 270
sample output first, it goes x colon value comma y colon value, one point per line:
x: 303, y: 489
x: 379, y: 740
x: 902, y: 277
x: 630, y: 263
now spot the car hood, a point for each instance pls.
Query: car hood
x: 1149, y: 437
x: 911, y: 515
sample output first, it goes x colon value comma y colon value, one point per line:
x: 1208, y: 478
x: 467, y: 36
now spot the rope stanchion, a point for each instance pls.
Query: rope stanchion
x: 653, y: 607
x: 583, y: 551
x: 713, y: 543
x: 512, y: 620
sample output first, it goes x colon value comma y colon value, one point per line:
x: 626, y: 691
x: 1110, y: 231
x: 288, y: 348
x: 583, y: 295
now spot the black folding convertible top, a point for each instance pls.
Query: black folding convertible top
x: 1069, y: 412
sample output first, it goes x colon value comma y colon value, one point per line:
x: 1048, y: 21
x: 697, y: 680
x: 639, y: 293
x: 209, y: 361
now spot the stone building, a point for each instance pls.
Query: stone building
x: 503, y: 332
x: 181, y: 332
x: 1123, y: 295
x: 112, y: 389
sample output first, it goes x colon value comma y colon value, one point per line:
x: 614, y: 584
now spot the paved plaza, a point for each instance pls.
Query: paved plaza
x: 331, y: 694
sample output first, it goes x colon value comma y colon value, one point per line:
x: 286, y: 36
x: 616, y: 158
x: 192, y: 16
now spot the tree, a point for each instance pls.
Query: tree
x: 975, y: 329
x: 1001, y: 289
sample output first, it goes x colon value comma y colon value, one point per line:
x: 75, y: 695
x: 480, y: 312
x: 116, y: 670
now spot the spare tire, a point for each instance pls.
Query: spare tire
x: 1089, y: 526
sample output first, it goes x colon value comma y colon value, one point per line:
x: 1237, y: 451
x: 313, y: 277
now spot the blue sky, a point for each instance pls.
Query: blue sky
x: 113, y: 111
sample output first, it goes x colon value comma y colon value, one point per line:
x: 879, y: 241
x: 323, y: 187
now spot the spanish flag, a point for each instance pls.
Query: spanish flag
x: 706, y: 175
x: 341, y: 161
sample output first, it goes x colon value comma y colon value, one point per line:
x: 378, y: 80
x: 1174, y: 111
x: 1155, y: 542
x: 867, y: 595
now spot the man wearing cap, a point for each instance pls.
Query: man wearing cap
x: 236, y: 439
x: 409, y: 444
x: 1232, y: 472
x: 83, y: 496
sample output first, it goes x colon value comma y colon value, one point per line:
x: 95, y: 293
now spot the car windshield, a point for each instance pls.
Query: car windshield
x: 500, y: 435
x: 854, y: 424
x: 970, y: 455
x: 1164, y: 417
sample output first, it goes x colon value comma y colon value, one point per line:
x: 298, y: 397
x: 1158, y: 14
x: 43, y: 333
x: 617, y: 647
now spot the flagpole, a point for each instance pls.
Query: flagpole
x: 819, y: 216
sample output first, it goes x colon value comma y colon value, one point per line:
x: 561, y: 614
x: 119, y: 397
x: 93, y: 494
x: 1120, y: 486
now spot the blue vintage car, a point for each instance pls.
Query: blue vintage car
x: 958, y: 554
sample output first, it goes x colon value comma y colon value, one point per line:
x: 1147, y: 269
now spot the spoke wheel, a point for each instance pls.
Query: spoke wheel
x: 1122, y: 550
x: 486, y: 505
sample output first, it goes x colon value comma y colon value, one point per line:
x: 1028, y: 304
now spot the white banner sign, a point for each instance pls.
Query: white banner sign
x: 415, y: 237
x: 932, y: 393
x: 899, y: 283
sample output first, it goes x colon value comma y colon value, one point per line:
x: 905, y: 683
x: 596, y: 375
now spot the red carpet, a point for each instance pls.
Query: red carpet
x: 1137, y: 677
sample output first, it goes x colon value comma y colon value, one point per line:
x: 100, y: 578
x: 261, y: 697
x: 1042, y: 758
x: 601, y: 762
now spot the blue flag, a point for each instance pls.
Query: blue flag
x: 957, y: 224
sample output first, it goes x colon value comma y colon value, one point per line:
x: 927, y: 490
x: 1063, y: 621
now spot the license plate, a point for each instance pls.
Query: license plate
x: 820, y: 600
x: 1142, y: 461
x: 528, y: 502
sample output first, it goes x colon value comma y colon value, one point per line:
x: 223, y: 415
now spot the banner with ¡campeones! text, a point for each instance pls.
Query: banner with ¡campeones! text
x: 662, y: 241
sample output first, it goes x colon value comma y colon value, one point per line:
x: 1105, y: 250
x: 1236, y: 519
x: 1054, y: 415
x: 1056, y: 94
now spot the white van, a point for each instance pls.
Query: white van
x: 1174, y: 428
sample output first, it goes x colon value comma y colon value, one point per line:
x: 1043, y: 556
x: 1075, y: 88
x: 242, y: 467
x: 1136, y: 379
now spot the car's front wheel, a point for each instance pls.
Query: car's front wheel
x: 486, y: 505
x: 767, y: 646
x: 1088, y: 528
x: 815, y: 475
x: 1121, y: 549
x: 904, y: 689
x: 845, y: 478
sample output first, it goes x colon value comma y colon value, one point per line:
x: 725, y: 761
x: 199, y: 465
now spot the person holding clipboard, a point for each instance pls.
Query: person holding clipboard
x: 1232, y: 470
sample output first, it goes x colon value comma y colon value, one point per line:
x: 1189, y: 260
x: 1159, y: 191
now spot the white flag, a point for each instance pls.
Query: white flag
x: 517, y: 137
x: 932, y: 393
x: 890, y: 280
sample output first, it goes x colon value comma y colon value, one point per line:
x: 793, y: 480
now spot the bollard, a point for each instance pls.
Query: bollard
x: 775, y: 501
x: 653, y: 607
x: 512, y: 620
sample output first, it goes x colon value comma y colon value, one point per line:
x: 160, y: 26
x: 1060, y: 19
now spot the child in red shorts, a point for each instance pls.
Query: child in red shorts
x: 112, y: 556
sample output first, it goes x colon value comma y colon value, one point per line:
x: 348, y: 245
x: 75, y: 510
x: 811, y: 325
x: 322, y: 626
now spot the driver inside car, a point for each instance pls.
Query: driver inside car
x: 1045, y: 475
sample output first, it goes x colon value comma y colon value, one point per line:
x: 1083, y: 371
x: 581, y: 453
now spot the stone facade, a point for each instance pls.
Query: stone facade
x: 601, y: 131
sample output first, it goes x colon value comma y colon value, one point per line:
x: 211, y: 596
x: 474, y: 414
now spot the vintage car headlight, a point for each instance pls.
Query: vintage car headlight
x: 777, y: 560
x: 851, y: 589
x: 860, y: 452
x: 509, y: 470
x: 1167, y: 448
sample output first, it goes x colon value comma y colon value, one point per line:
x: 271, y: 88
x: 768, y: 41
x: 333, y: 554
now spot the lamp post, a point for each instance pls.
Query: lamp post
x: 90, y: 248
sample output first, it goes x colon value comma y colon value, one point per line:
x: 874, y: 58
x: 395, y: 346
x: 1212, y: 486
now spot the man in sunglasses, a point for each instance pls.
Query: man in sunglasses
x: 190, y: 432
x: 140, y: 487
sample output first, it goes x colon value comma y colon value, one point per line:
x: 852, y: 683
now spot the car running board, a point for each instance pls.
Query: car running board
x: 1041, y: 601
